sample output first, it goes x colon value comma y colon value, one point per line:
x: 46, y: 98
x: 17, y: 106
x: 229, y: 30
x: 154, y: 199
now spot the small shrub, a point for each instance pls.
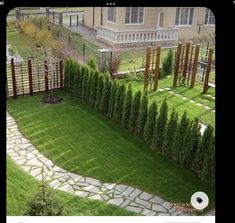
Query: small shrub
x: 112, y: 98
x: 167, y: 64
x: 92, y: 64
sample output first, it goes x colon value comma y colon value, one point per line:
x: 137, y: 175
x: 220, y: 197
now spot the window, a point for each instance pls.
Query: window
x: 111, y: 14
x: 209, y: 18
x: 184, y: 16
x: 134, y: 15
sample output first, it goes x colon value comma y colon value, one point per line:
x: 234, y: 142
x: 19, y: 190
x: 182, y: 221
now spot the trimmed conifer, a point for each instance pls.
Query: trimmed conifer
x: 100, y: 85
x: 135, y: 109
x: 93, y: 87
x: 170, y: 133
x: 179, y: 137
x: 104, y: 103
x: 151, y: 122
x: 119, y: 102
x: 160, y: 128
x: 167, y: 64
x: 203, y: 146
x: 142, y: 117
x: 207, y: 174
x: 127, y: 107
x: 76, y: 79
x: 67, y: 66
x: 112, y: 98
x: 88, y: 84
x: 82, y: 79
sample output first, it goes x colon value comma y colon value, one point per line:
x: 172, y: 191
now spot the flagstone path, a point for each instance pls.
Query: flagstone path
x: 34, y: 163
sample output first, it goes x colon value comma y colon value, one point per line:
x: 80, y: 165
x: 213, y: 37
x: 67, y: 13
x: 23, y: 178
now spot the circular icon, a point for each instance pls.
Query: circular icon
x: 199, y: 200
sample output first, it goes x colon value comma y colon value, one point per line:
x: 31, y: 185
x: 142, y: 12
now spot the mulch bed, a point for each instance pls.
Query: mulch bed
x: 51, y: 99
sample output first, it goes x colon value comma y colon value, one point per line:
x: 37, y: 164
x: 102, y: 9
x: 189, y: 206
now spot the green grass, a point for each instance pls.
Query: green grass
x: 206, y: 117
x: 21, y: 187
x: 79, y: 139
x: 24, y: 47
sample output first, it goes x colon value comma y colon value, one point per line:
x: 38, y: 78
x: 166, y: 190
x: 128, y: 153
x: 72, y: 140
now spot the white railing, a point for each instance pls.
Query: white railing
x: 137, y: 36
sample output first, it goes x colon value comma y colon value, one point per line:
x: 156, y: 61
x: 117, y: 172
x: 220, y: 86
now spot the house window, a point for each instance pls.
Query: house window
x: 184, y: 16
x: 134, y: 15
x: 209, y: 18
x: 111, y: 14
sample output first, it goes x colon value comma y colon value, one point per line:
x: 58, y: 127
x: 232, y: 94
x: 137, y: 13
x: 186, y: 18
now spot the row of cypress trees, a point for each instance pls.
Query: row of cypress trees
x: 179, y: 140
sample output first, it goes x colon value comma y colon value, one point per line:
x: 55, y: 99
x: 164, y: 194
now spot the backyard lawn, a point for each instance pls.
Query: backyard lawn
x: 77, y: 138
x: 21, y: 187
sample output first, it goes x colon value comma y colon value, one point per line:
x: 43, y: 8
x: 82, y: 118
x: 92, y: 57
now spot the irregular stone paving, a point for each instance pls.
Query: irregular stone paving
x: 33, y: 162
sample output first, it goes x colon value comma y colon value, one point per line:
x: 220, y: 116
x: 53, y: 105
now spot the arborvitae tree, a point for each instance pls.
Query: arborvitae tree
x: 93, y: 87
x: 179, y: 136
x: 82, y: 80
x: 104, y: 103
x: 151, y: 122
x: 160, y: 128
x: 67, y: 66
x: 88, y: 84
x: 127, y: 107
x: 100, y: 85
x: 92, y: 64
x: 112, y: 98
x: 135, y: 109
x: 142, y: 117
x: 207, y: 174
x: 170, y: 133
x: 119, y: 101
x: 203, y: 146
x: 190, y: 144
x: 76, y: 79
x: 71, y: 75
x: 167, y: 64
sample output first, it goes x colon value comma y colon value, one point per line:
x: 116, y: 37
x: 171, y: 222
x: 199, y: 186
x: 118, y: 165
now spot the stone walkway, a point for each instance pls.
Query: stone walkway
x: 30, y: 160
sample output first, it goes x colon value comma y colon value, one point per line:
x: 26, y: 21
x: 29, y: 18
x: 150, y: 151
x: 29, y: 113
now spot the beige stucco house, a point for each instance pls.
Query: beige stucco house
x: 146, y: 25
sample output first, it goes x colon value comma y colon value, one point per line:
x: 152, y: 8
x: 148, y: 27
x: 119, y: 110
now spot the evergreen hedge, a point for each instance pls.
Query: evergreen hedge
x: 181, y: 141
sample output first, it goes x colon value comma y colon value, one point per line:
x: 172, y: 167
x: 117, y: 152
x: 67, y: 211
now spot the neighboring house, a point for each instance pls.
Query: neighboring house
x: 118, y: 26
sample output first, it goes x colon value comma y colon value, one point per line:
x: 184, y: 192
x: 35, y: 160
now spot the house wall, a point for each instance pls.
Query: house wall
x: 150, y: 20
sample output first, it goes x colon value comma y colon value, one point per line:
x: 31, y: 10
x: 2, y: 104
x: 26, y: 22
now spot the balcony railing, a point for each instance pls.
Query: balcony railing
x: 137, y: 36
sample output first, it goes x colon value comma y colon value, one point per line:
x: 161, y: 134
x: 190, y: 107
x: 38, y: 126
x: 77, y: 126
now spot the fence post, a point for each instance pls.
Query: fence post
x: 13, y: 77
x: 46, y: 75
x: 47, y: 13
x: 61, y: 74
x: 102, y: 60
x: 77, y: 19
x: 53, y: 14
x: 177, y: 62
x: 146, y: 73
x: 30, y: 77
x: 186, y: 60
x: 195, y: 63
x: 208, y: 70
x: 70, y: 21
x: 156, y: 73
x: 61, y: 18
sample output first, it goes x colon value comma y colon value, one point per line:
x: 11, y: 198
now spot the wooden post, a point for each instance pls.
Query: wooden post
x: 208, y: 70
x: 157, y: 68
x: 190, y: 64
x: 186, y: 60
x: 70, y: 20
x: 177, y: 63
x: 84, y: 51
x: 61, y: 19
x: 146, y: 73
x: 46, y: 75
x: 61, y: 74
x: 77, y: 19
x: 195, y: 63
x: 53, y: 13
x: 13, y: 78
x: 30, y: 77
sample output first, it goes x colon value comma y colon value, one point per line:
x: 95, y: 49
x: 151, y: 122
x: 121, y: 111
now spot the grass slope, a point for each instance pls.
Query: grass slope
x: 21, y: 187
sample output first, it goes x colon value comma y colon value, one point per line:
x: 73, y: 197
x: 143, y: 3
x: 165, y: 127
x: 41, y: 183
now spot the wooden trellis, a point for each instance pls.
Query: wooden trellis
x: 152, y: 65
x: 187, y: 64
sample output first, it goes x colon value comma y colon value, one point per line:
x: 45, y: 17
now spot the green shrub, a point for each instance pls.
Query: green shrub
x: 142, y: 117
x: 151, y: 122
x: 112, y: 98
x: 100, y: 85
x: 119, y: 101
x: 93, y: 88
x: 92, y: 64
x: 160, y: 128
x: 104, y: 103
x: 170, y: 133
x: 44, y: 203
x: 127, y: 107
x: 135, y: 109
x: 167, y: 64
